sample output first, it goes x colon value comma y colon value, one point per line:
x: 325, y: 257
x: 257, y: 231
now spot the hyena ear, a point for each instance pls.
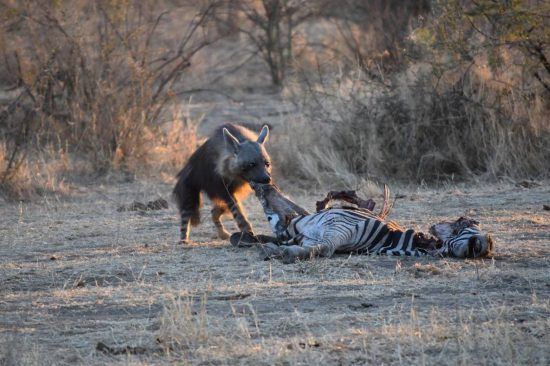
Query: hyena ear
x: 264, y: 134
x: 230, y: 140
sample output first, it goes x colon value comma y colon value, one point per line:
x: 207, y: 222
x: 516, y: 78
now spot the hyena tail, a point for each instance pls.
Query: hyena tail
x: 187, y: 197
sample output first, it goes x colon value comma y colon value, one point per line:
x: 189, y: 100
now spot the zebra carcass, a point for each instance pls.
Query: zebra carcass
x: 350, y: 229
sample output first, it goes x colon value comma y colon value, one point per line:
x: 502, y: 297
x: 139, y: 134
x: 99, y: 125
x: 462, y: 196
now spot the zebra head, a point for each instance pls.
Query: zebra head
x: 463, y: 238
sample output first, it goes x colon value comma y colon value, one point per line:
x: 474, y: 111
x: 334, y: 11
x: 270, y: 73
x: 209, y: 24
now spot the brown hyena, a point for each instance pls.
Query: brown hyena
x: 221, y: 168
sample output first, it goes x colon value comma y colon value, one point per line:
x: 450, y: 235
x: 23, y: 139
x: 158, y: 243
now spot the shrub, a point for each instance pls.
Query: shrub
x: 415, y: 131
x: 93, y: 79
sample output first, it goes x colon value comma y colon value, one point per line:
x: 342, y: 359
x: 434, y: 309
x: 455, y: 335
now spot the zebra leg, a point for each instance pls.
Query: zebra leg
x: 238, y: 215
x: 310, y: 248
x: 292, y: 253
x: 217, y: 213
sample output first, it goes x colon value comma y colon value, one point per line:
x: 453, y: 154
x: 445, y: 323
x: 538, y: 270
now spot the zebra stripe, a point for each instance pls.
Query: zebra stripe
x: 349, y: 231
x: 458, y: 245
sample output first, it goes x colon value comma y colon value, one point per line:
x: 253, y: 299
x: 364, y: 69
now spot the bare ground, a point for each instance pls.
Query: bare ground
x: 75, y: 272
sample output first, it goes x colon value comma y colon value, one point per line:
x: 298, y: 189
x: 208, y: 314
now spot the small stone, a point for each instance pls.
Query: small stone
x: 157, y: 204
x: 528, y: 184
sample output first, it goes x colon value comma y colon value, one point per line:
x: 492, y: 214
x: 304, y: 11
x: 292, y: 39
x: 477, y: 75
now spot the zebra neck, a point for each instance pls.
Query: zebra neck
x: 428, y: 243
x: 278, y: 209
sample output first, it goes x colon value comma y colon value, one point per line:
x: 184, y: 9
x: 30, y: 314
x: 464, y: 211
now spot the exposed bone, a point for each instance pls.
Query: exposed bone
x: 352, y: 198
x: 347, y: 196
x: 386, y: 206
x: 280, y: 210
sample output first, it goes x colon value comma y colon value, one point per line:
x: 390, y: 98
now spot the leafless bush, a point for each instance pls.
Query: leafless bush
x: 93, y: 79
x: 270, y: 26
x: 373, y: 33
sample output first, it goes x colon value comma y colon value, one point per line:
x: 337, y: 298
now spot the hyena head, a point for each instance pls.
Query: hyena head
x: 250, y: 160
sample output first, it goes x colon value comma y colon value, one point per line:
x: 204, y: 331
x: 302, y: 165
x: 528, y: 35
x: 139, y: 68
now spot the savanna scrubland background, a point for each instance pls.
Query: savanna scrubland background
x: 103, y: 101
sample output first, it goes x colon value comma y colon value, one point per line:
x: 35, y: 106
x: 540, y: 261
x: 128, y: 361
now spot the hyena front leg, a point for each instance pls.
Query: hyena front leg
x: 217, y: 213
x: 238, y: 215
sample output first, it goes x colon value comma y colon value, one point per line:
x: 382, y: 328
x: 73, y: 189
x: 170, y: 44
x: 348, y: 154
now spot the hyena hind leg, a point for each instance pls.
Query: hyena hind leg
x: 217, y: 213
x: 189, y: 202
x: 184, y: 226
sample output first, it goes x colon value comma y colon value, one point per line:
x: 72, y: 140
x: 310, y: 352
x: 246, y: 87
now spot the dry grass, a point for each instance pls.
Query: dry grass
x: 95, y: 81
x: 76, y: 272
x: 418, y: 127
x: 168, y: 151
x: 57, y: 172
x: 33, y: 177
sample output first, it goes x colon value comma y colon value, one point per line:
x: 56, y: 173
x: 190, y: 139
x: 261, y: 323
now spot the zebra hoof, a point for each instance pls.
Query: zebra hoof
x: 243, y: 240
x: 269, y: 251
x: 289, y: 256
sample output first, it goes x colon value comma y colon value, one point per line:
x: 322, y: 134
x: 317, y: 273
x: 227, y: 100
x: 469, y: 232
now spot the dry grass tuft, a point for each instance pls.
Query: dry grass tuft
x: 477, y: 335
x: 188, y: 332
x: 32, y: 177
x: 15, y: 350
x: 482, y: 335
x: 170, y: 149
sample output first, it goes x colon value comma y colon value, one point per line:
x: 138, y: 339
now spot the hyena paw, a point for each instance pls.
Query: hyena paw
x: 222, y: 234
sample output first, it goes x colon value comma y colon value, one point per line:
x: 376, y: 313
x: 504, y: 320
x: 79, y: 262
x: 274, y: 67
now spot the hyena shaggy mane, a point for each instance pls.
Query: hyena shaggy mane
x: 221, y: 168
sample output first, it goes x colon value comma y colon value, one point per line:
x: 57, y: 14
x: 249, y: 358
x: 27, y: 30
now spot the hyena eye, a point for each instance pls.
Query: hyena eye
x: 267, y: 164
x: 251, y: 165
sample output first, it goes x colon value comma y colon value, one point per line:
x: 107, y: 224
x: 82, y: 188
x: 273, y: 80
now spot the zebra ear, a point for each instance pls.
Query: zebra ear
x: 230, y: 141
x: 264, y: 134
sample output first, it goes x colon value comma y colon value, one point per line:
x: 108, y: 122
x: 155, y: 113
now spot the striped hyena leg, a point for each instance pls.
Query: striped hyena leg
x: 189, y: 202
x: 185, y: 217
x: 189, y: 215
x: 238, y: 215
x: 217, y: 212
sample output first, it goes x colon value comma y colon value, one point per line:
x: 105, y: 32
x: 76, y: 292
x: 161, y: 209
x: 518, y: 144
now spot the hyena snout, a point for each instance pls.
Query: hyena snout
x: 261, y: 173
x: 263, y: 179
